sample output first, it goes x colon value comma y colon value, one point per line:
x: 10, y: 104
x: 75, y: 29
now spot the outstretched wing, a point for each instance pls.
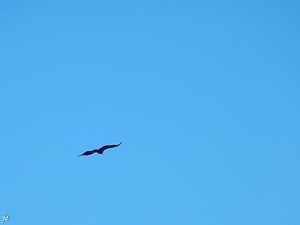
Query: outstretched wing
x: 89, y: 153
x: 102, y: 149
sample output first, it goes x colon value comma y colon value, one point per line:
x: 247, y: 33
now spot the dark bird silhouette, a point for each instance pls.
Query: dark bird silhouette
x: 100, y: 150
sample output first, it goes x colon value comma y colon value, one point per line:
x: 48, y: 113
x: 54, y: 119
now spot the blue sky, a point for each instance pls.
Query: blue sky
x: 204, y: 96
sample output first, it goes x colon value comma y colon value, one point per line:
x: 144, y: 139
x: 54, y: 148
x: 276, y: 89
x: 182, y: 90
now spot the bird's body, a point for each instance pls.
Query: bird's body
x: 100, y: 150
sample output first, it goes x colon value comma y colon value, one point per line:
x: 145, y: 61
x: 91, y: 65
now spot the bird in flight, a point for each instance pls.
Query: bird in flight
x: 100, y: 150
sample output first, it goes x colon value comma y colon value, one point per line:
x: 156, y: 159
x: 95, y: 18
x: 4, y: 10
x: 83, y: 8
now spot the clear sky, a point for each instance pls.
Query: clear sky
x: 204, y: 95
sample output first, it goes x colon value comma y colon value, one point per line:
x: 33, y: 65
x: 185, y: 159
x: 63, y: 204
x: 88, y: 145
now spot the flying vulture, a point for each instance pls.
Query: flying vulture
x: 100, y: 150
